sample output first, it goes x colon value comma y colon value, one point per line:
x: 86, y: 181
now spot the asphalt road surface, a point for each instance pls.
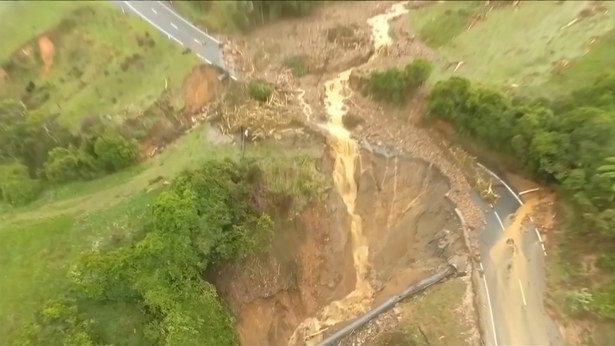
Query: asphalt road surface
x: 161, y: 16
x: 512, y: 261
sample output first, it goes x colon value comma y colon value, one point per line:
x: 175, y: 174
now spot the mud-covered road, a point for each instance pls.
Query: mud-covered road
x: 512, y: 261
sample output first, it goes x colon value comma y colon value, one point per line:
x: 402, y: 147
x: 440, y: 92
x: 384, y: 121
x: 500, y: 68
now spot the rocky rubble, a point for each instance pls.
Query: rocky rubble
x: 384, y: 322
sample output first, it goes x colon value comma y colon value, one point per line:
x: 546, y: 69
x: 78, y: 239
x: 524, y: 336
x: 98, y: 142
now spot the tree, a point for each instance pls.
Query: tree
x: 58, y: 323
x: 12, y: 117
x: 39, y: 135
x: 16, y: 186
x: 68, y: 164
x: 114, y: 152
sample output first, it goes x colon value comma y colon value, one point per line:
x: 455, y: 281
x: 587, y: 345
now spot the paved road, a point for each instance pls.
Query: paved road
x: 176, y: 28
x: 514, y: 281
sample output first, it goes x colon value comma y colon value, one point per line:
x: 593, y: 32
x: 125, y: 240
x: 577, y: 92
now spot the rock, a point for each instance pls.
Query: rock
x: 352, y: 120
x: 358, y: 81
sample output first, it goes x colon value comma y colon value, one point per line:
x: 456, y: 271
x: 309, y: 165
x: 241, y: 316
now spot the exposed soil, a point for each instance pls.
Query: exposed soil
x: 199, y: 87
x: 404, y: 208
x: 310, y: 264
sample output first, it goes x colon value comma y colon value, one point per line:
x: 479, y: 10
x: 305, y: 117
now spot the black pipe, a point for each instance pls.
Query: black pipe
x: 416, y: 288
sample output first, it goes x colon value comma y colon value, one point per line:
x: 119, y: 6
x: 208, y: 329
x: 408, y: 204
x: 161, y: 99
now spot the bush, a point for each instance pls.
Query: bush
x: 68, y: 164
x: 114, y: 152
x: 578, y: 301
x: 397, y: 85
x: 16, y: 186
x: 260, y: 91
x: 58, y: 323
x: 297, y: 65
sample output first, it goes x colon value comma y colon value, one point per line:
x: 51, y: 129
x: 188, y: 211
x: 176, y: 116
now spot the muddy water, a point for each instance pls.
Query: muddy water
x: 346, y: 152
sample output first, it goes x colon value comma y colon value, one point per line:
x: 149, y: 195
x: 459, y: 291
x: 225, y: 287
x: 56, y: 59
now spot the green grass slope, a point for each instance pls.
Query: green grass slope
x: 104, y: 62
x: 520, y: 45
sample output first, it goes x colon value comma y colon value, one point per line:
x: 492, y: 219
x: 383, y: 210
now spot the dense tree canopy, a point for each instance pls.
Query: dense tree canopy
x: 207, y: 215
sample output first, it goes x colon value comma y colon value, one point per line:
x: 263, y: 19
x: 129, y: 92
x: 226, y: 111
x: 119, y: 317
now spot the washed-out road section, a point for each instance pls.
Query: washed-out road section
x: 512, y: 265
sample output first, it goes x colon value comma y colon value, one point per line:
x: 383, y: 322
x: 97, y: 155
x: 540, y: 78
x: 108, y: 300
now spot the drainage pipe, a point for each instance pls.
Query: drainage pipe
x: 416, y: 288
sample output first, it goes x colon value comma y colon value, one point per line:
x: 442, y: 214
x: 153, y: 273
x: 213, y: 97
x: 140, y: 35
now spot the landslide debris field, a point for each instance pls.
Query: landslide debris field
x: 275, y: 209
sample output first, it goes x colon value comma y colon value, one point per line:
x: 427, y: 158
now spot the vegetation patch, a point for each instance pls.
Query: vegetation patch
x: 445, y: 25
x: 298, y: 65
x: 398, y: 85
x: 260, y: 90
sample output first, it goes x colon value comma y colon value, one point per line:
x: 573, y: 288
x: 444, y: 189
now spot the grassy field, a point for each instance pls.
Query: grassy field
x: 519, y: 45
x: 104, y: 63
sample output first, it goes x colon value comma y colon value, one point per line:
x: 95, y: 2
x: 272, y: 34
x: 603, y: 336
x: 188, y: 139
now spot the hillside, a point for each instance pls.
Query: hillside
x: 86, y: 60
x: 365, y: 147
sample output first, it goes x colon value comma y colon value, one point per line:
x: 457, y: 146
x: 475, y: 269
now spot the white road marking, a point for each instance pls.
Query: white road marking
x: 202, y: 57
x: 197, y: 41
x: 154, y: 11
x: 499, y: 220
x: 152, y: 23
x: 187, y: 22
x: 522, y: 293
x: 495, y: 338
x: 542, y: 243
x: 123, y: 11
x: 174, y: 26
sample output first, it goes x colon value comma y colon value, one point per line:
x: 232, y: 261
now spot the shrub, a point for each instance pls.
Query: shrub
x: 260, y: 91
x: 68, y: 164
x: 58, y: 323
x: 114, y: 152
x: 297, y: 65
x: 578, y: 301
x: 16, y: 186
x: 397, y: 85
x: 417, y: 72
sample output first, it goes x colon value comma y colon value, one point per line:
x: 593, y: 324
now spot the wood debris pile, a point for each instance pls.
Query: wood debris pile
x: 257, y: 120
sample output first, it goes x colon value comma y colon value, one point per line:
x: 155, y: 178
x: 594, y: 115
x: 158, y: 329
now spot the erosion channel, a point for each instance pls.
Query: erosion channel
x: 386, y: 225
